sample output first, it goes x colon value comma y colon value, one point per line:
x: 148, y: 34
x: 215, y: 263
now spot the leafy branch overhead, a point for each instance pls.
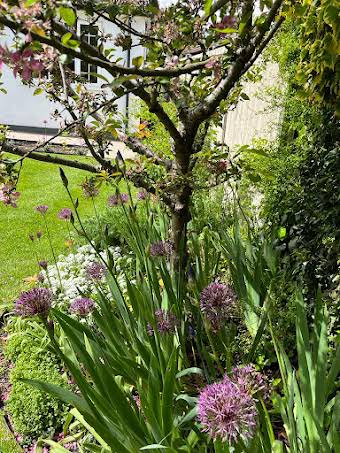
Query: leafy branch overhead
x: 192, y: 55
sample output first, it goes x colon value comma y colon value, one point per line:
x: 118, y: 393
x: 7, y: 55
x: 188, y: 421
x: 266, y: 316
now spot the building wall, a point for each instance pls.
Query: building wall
x: 254, y: 118
x: 20, y: 108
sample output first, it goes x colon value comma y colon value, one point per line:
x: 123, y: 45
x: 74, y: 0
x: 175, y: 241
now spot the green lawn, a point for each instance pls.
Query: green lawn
x: 39, y: 184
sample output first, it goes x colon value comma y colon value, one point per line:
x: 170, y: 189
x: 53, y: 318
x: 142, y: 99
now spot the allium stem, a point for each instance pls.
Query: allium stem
x: 52, y: 250
x: 70, y: 238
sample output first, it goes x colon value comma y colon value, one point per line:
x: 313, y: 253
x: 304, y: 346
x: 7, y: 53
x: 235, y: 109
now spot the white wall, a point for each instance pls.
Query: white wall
x: 20, y: 108
x: 254, y: 118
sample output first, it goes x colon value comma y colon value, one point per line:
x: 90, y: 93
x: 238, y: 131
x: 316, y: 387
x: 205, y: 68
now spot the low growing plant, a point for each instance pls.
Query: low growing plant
x: 32, y: 412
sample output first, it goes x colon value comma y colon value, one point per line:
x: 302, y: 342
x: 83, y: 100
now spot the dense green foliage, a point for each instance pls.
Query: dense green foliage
x: 318, y: 71
x: 32, y: 412
x: 301, y: 179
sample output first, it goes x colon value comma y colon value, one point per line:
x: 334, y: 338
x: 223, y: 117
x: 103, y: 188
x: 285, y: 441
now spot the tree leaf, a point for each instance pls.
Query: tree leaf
x: 68, y: 15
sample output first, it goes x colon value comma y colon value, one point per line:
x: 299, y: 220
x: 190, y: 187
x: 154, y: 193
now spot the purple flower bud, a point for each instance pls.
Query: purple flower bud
x: 65, y: 214
x: 217, y: 304
x: 141, y: 195
x: 112, y: 201
x: 115, y: 200
x: 166, y: 322
x: 39, y: 234
x: 37, y: 301
x: 42, y: 209
x: 31, y: 236
x: 162, y: 248
x: 82, y: 306
x: 227, y: 412
x: 124, y: 198
x: 43, y: 264
x: 95, y: 271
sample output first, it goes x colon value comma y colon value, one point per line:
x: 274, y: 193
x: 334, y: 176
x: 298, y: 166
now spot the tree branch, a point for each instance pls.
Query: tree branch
x: 98, y: 59
x: 138, y: 147
x: 18, y: 151
x: 237, y: 69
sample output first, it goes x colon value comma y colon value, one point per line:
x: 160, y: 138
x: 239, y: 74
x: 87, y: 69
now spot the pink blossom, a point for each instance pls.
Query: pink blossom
x: 8, y: 195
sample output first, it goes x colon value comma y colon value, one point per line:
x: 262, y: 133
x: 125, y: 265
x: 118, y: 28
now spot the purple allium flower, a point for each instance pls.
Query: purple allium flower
x: 43, y: 264
x: 39, y: 234
x: 89, y: 188
x: 227, y: 412
x: 162, y: 248
x: 37, y: 301
x: 217, y: 303
x: 8, y: 195
x: 95, y: 271
x: 115, y: 200
x: 112, y: 201
x: 82, y: 306
x: 136, y: 399
x: 166, y: 322
x: 65, y: 214
x: 141, y: 195
x: 124, y: 198
x: 250, y: 380
x: 42, y: 208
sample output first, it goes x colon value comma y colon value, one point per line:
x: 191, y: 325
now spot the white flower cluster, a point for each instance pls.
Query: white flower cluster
x: 69, y: 279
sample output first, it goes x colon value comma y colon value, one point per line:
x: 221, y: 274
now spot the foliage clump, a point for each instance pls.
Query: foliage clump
x: 32, y: 412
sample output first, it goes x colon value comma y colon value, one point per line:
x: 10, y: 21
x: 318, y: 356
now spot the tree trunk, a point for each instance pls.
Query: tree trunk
x: 181, y: 215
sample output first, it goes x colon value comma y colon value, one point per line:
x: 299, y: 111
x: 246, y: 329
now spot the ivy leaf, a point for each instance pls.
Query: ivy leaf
x: 138, y: 61
x: 281, y: 232
x: 68, y: 15
x: 331, y: 16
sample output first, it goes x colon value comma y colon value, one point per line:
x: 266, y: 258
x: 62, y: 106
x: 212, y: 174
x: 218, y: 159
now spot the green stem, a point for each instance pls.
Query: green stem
x: 52, y: 250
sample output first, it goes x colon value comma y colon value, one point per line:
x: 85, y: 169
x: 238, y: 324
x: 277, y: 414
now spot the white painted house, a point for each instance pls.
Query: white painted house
x: 20, y: 109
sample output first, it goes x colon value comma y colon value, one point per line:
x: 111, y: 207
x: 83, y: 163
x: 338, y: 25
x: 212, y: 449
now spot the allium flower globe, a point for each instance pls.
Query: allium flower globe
x: 65, y: 214
x: 82, y: 306
x: 166, y: 322
x: 124, y: 198
x: 227, y: 412
x: 115, y: 200
x: 95, y: 271
x: 42, y: 209
x: 217, y: 304
x: 141, y: 195
x: 35, y: 302
x: 250, y: 380
x: 162, y: 248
